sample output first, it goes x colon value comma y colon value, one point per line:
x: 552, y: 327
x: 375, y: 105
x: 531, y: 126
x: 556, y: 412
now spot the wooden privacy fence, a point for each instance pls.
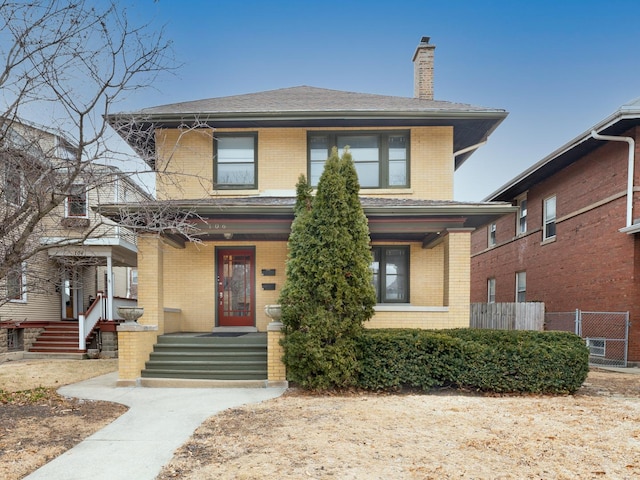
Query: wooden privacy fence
x: 508, y: 316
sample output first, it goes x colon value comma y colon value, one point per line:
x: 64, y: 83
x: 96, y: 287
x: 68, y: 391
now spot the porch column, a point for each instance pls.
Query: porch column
x: 457, y: 276
x: 276, y: 369
x: 109, y: 288
x: 135, y: 342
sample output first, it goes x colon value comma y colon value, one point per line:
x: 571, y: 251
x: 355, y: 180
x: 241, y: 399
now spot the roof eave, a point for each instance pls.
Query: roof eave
x: 510, y: 189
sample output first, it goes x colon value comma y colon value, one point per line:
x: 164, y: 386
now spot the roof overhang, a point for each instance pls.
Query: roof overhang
x: 93, y: 251
x: 469, y: 127
x: 411, y: 223
x: 616, y: 124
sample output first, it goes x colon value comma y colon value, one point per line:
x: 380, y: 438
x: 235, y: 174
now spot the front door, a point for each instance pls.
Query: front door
x: 71, y: 293
x: 235, y: 295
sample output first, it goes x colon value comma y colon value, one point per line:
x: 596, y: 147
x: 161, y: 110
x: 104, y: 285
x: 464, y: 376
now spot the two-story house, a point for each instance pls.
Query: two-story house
x: 231, y: 164
x: 573, y: 241
x: 75, y: 259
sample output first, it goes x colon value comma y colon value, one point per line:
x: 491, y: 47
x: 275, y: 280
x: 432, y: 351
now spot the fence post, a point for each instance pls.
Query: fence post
x: 626, y: 338
x: 578, y: 330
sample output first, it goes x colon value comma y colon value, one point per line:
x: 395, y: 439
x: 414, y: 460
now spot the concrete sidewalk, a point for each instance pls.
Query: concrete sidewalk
x: 139, y: 443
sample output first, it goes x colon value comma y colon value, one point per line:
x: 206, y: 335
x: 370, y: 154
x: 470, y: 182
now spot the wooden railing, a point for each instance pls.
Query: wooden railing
x: 98, y: 311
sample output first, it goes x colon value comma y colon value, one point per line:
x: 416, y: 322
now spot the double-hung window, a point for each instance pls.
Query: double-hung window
x: 491, y: 290
x: 235, y: 160
x: 16, y: 283
x: 381, y: 158
x: 521, y: 226
x: 77, y: 204
x: 521, y: 286
x: 549, y: 228
x: 492, y: 235
x: 390, y: 269
x: 13, y: 179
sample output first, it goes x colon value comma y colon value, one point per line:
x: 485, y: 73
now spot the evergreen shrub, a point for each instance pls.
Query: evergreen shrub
x: 484, y: 360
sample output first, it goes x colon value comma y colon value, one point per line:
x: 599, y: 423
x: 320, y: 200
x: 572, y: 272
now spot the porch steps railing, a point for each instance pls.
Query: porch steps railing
x: 209, y: 358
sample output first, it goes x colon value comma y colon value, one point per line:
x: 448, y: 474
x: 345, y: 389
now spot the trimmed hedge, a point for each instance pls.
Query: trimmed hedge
x: 485, y: 360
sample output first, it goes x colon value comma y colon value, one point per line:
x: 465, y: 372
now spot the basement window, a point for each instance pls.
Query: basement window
x: 597, y: 346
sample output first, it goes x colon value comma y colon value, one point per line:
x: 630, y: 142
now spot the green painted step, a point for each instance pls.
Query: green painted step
x: 207, y: 375
x: 211, y: 358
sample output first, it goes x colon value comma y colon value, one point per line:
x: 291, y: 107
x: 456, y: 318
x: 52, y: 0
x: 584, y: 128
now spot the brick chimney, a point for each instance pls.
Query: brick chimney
x: 423, y: 70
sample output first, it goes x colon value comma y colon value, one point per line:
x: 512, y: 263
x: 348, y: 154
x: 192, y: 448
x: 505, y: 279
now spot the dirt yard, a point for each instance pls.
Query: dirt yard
x: 37, y: 424
x: 446, y: 434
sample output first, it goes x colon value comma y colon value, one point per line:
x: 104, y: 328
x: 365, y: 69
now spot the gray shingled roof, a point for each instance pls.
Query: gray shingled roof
x: 310, y: 99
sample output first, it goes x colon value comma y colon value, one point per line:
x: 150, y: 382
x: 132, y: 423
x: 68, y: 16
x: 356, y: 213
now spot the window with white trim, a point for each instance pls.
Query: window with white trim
x: 491, y: 290
x: 17, y: 283
x: 13, y: 184
x: 549, y: 227
x: 77, y: 203
x: 390, y: 269
x: 381, y: 158
x: 521, y: 286
x: 492, y: 235
x: 521, y: 226
x: 235, y: 160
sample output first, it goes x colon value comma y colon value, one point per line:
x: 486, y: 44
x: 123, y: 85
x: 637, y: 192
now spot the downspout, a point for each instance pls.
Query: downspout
x: 632, y: 147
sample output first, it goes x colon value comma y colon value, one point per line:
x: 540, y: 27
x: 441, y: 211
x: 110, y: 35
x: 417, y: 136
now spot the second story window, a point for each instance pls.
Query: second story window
x: 521, y: 226
x: 13, y: 184
x: 549, y: 227
x: 235, y: 161
x: 77, y: 204
x: 381, y: 159
x: 492, y: 234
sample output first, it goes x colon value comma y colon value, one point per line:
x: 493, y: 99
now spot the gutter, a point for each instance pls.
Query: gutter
x: 630, y: 173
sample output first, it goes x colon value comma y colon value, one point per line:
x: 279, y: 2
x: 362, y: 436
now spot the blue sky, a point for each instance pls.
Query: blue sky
x: 558, y: 67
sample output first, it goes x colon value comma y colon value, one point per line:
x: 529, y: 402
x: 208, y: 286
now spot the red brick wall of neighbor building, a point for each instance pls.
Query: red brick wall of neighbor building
x: 591, y: 265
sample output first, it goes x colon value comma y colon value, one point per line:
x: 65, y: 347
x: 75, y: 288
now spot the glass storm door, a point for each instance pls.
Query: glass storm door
x: 235, y: 295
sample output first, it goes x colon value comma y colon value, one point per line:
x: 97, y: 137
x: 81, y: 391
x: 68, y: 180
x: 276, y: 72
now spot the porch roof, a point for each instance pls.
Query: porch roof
x: 269, y: 218
x: 94, y: 251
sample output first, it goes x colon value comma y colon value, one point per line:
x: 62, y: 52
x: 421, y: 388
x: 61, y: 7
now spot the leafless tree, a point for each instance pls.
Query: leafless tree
x: 65, y: 64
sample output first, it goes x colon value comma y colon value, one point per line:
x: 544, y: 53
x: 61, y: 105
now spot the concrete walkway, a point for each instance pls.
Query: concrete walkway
x: 139, y: 443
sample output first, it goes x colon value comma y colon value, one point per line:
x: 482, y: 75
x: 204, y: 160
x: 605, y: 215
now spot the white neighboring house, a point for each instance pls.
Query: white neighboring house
x: 88, y: 264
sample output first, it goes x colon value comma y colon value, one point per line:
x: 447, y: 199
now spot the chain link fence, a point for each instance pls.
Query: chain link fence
x: 605, y: 333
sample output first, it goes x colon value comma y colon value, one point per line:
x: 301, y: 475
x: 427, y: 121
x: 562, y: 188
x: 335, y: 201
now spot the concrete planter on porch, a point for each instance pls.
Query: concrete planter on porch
x: 130, y: 314
x: 274, y: 312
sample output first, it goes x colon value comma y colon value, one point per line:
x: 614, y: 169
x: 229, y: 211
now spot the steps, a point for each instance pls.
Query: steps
x: 209, y: 358
x: 58, y: 340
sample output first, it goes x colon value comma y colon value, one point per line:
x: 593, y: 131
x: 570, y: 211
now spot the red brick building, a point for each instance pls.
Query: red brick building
x: 574, y: 242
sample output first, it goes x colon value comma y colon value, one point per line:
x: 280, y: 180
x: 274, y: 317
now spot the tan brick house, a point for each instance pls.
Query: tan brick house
x: 573, y: 241
x: 231, y: 165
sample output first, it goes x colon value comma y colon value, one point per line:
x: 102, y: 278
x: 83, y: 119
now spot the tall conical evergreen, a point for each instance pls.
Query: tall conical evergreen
x: 328, y: 292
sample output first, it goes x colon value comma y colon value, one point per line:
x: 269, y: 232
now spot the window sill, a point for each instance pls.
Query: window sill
x: 231, y: 193
x: 547, y: 241
x: 386, y: 191
x: 405, y: 307
x: 18, y: 301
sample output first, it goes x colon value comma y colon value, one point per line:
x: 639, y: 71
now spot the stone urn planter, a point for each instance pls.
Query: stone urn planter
x: 130, y: 314
x: 273, y: 312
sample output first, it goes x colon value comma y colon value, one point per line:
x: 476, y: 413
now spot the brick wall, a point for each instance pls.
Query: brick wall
x: 590, y: 265
x: 282, y: 157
